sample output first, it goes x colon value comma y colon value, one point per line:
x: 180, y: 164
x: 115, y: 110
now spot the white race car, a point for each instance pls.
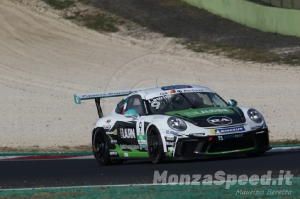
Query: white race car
x: 174, y: 122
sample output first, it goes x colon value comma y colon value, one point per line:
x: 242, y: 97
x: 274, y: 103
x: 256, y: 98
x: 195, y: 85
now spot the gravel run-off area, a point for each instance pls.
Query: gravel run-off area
x: 45, y: 59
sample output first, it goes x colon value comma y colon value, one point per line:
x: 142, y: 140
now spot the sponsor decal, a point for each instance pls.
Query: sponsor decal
x: 113, y: 153
x: 219, y: 120
x: 225, y: 137
x: 169, y: 143
x: 170, y: 138
x: 143, y: 147
x: 170, y: 149
x: 159, y: 98
x: 126, y: 133
x: 177, y: 90
x: 132, y: 146
x: 99, y: 95
x: 113, y: 141
x: 141, y: 137
x: 142, y: 141
x: 155, y: 102
x: 192, y: 90
x: 107, y: 121
x: 205, y: 112
x: 94, y: 95
x: 172, y: 132
x: 106, y: 127
x: 172, y: 91
x: 163, y: 93
x: 109, y: 133
x: 231, y: 129
x: 125, y: 154
x: 197, y: 134
x: 191, y: 113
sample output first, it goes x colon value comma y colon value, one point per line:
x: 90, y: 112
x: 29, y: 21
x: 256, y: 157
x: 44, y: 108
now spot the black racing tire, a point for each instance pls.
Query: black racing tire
x: 155, y: 146
x: 101, y: 147
x: 255, y: 154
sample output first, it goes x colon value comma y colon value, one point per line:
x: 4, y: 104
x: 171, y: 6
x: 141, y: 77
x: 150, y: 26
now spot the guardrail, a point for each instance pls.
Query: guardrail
x: 265, y: 18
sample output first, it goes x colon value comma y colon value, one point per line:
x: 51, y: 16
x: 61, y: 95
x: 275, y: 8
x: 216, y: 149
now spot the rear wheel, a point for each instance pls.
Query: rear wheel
x: 101, y: 147
x: 155, y: 146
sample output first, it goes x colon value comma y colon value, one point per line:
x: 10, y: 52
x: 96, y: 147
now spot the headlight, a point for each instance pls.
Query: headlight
x: 255, y: 116
x: 176, y: 124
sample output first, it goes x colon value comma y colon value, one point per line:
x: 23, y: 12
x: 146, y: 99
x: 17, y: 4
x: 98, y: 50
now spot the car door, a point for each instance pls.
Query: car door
x: 131, y: 130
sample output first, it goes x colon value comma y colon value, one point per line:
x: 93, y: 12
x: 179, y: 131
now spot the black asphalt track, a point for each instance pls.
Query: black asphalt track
x: 83, y: 172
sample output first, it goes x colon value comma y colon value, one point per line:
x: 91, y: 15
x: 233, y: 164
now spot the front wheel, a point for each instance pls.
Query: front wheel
x: 155, y: 146
x: 101, y: 147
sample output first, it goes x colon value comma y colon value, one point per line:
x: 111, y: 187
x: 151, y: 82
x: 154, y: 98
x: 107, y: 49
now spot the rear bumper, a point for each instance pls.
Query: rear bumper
x: 221, y: 145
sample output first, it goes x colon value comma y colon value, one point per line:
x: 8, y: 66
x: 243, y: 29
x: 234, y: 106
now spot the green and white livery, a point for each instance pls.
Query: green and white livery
x: 174, y: 122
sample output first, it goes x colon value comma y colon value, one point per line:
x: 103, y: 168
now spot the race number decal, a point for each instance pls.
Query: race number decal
x: 140, y: 131
x: 140, y: 127
x: 155, y: 104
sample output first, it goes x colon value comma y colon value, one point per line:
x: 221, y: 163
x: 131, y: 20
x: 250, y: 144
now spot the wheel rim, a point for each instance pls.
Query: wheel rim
x: 99, y: 145
x: 154, y: 147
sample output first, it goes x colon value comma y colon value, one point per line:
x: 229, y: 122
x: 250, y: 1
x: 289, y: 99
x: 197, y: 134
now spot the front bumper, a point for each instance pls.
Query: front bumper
x: 220, y: 145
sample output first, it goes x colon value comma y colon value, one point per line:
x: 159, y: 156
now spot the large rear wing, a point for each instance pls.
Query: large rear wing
x: 106, y: 94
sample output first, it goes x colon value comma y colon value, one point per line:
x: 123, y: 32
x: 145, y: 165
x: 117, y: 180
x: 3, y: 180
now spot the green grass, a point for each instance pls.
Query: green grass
x: 245, y: 53
x: 101, y: 22
x: 87, y: 2
x: 105, y: 22
x: 60, y: 4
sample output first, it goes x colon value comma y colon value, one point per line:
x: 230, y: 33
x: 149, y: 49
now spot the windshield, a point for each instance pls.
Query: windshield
x: 183, y: 101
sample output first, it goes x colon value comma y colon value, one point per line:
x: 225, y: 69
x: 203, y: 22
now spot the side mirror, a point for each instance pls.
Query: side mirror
x: 232, y: 102
x: 131, y: 113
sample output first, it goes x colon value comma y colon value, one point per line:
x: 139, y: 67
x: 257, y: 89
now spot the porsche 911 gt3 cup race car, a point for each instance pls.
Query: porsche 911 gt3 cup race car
x: 174, y: 122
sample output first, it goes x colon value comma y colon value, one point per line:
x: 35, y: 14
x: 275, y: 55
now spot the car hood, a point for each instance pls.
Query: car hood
x: 210, y: 117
